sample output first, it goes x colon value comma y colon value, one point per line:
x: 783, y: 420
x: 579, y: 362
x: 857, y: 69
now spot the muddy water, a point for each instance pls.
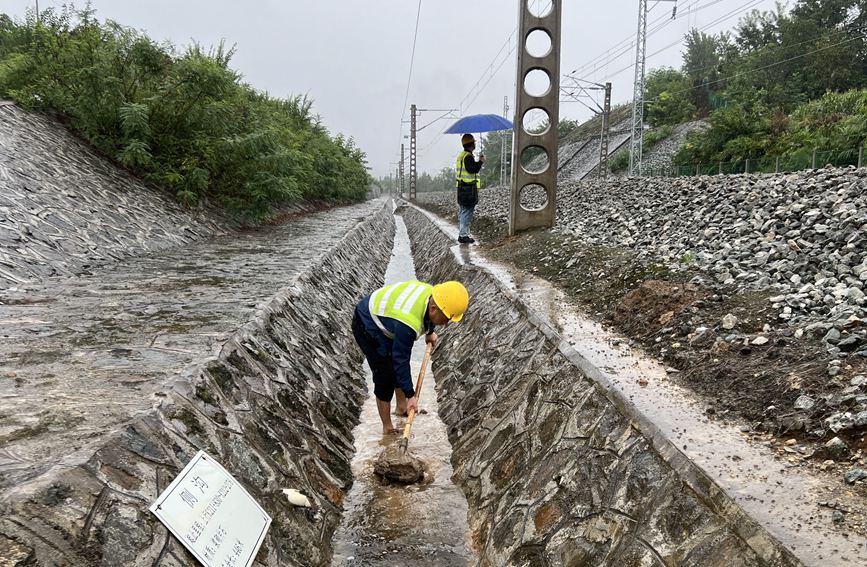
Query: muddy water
x: 784, y: 499
x: 393, y: 524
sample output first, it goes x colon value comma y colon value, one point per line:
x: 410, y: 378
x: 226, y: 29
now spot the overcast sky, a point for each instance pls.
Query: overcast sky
x: 353, y: 56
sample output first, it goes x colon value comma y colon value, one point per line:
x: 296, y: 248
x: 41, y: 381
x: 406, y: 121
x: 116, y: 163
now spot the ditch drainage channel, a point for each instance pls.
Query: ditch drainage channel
x: 653, y: 477
x: 558, y: 466
x: 393, y: 524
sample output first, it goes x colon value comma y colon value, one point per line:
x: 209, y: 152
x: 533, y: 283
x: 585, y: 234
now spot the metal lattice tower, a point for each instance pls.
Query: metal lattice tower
x: 504, y: 137
x: 638, y: 92
x: 413, y: 172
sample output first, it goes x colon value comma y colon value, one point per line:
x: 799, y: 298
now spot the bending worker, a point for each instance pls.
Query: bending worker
x: 387, y: 323
x: 468, y: 180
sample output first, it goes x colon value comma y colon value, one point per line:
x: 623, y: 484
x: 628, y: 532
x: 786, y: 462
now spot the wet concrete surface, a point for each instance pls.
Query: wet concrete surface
x: 80, y: 356
x: 782, y: 498
x: 389, y: 524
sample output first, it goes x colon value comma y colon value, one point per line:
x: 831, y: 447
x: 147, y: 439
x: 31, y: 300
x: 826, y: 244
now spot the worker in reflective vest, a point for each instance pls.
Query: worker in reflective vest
x: 388, y: 322
x: 467, y: 183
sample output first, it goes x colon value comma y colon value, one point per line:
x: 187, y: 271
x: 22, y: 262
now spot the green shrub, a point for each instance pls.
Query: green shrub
x: 181, y: 119
x: 619, y: 161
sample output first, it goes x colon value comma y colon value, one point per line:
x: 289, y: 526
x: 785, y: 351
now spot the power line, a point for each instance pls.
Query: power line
x: 744, y: 7
x: 626, y: 45
x: 411, y: 63
x: 507, y: 43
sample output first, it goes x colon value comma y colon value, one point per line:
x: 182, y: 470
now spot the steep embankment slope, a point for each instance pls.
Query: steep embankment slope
x: 65, y: 209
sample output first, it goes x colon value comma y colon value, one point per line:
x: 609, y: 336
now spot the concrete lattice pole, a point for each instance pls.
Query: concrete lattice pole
x: 606, y: 130
x: 526, y: 180
x: 413, y: 172
x: 503, y: 150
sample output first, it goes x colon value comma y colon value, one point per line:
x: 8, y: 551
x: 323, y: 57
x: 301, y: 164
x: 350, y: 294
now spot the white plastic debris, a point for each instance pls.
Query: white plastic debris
x: 296, y: 498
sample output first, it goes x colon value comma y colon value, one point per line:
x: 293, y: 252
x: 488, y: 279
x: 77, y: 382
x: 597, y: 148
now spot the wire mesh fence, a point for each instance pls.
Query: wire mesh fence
x: 797, y: 161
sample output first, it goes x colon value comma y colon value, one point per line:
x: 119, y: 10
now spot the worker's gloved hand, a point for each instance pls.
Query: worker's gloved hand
x: 431, y: 339
x: 482, y: 158
x: 412, y: 404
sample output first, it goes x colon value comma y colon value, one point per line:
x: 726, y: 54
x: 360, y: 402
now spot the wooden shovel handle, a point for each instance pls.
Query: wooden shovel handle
x: 418, y: 384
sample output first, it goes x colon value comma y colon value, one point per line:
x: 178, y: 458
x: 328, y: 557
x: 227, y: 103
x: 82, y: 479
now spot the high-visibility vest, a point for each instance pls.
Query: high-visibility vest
x: 462, y: 174
x: 405, y: 301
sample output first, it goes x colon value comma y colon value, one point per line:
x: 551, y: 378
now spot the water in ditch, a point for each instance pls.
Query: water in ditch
x: 393, y: 524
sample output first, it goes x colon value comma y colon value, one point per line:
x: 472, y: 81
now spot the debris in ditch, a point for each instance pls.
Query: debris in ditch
x: 399, y: 466
x: 296, y: 498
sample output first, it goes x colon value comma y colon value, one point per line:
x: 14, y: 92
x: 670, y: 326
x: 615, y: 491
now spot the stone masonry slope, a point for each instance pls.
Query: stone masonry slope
x: 116, y: 380
x: 64, y: 209
x: 90, y: 352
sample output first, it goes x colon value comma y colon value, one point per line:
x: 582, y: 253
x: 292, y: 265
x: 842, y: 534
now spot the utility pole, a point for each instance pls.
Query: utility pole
x: 504, y: 137
x: 400, y: 172
x: 520, y: 216
x: 606, y: 128
x: 413, y: 172
x: 37, y: 11
x: 638, y: 88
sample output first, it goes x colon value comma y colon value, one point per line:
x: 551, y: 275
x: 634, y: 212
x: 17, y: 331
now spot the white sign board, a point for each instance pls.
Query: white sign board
x: 212, y: 515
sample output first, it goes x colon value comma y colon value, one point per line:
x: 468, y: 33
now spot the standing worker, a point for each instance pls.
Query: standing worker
x: 468, y: 180
x: 387, y: 323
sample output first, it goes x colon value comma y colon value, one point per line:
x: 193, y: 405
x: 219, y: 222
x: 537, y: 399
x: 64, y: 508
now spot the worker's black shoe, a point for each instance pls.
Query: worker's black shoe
x: 466, y: 239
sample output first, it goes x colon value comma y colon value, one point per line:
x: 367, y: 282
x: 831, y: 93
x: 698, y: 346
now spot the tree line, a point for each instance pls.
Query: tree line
x: 781, y: 83
x: 183, y: 119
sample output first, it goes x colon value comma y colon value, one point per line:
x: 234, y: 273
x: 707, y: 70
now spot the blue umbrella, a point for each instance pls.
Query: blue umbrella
x: 480, y: 123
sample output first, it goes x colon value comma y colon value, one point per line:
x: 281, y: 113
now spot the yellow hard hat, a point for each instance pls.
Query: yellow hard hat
x: 467, y: 139
x: 452, y: 299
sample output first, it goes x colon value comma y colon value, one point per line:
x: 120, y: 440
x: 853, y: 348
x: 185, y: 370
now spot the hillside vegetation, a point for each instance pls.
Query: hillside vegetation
x: 182, y: 119
x: 781, y: 84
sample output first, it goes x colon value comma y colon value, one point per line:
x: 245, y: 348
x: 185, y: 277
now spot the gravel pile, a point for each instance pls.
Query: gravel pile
x: 801, y: 236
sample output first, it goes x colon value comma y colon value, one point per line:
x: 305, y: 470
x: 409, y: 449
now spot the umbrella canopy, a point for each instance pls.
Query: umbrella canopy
x: 479, y: 123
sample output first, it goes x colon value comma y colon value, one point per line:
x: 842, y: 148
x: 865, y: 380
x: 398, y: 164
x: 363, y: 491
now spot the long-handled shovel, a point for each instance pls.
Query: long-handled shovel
x: 404, y: 441
x: 398, y: 465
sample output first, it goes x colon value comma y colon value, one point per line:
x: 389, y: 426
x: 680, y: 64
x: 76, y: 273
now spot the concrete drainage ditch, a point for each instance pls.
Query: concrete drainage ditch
x: 555, y: 468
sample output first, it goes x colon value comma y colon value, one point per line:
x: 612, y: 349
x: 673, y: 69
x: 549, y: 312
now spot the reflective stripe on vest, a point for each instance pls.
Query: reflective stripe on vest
x: 461, y: 174
x: 405, y: 301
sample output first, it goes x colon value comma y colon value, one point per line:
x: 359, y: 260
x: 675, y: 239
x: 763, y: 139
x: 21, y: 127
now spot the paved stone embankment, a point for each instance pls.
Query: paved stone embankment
x: 557, y: 468
x: 804, y: 235
x: 65, y: 209
x: 660, y: 157
x: 581, y: 159
x: 112, y: 381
